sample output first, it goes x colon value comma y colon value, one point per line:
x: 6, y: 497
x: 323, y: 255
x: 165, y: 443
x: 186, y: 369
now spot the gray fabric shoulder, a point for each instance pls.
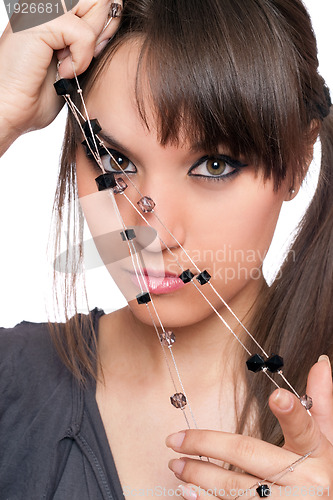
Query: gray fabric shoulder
x: 29, y: 362
x: 41, y: 406
x: 36, y: 407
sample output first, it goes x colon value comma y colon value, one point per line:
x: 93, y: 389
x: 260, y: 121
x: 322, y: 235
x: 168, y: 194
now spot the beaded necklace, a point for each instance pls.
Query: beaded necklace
x: 107, y: 182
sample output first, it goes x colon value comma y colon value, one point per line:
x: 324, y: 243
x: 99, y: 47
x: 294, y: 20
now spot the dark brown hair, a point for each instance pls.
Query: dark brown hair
x: 243, y: 74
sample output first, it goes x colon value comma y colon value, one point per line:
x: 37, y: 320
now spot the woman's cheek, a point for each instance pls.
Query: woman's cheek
x: 240, y: 240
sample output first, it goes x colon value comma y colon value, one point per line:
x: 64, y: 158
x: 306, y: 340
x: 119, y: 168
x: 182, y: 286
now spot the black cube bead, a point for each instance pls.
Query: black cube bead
x: 105, y: 181
x: 274, y: 363
x: 203, y: 277
x: 63, y: 86
x: 128, y: 234
x: 89, y: 146
x: 94, y: 125
x: 263, y: 490
x: 255, y: 363
x: 143, y: 298
x: 186, y: 276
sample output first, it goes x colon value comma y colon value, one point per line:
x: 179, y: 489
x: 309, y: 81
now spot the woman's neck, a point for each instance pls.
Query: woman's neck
x: 129, y: 347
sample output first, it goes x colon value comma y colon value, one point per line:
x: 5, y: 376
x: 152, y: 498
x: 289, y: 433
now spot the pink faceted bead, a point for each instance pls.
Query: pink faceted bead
x: 306, y: 401
x: 146, y: 204
x: 167, y: 338
x: 120, y: 186
x: 178, y: 400
x: 115, y: 10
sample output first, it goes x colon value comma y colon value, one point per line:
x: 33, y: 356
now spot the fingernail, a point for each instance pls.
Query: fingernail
x: 323, y: 357
x: 187, y: 492
x: 283, y: 400
x: 177, y: 466
x: 175, y: 440
x: 100, y: 47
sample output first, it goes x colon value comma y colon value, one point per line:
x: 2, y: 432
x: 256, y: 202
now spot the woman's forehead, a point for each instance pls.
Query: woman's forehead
x: 113, y: 98
x: 118, y: 73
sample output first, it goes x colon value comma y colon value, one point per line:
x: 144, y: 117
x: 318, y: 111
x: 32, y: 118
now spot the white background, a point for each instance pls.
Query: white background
x: 28, y: 179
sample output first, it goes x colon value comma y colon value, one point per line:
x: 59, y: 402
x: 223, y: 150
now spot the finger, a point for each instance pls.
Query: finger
x: 99, y: 15
x: 112, y: 22
x: 100, y: 46
x: 91, y: 8
x: 103, y: 17
x: 63, y: 53
x: 301, y: 433
x: 256, y: 457
x: 52, y: 105
x: 110, y: 28
x: 210, y: 477
x: 320, y: 388
x: 72, y: 32
x: 192, y: 492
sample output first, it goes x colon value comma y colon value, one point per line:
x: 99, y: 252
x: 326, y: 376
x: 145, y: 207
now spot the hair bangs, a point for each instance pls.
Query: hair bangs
x: 222, y: 77
x: 225, y: 74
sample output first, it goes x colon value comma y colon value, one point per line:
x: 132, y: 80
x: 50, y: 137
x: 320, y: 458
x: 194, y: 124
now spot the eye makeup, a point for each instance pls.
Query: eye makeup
x: 216, y: 167
x: 113, y: 161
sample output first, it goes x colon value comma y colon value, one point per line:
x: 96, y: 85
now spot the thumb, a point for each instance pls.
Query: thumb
x: 320, y: 388
x: 301, y: 433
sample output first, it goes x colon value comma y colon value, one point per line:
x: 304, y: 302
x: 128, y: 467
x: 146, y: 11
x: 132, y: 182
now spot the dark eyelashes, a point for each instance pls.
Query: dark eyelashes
x: 106, y: 152
x: 227, y: 159
x: 236, y: 164
x: 221, y: 178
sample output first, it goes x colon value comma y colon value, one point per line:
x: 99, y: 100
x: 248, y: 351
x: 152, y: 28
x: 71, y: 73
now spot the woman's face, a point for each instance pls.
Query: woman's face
x: 223, y: 214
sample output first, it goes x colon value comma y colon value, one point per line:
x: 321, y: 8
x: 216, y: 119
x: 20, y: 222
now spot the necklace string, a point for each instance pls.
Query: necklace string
x: 179, y: 399
x: 95, y: 151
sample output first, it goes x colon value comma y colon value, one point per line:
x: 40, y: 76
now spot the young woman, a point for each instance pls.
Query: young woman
x: 211, y: 110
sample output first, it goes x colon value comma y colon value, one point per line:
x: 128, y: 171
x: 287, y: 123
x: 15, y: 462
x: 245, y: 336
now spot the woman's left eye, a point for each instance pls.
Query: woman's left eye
x: 216, y: 167
x: 116, y: 162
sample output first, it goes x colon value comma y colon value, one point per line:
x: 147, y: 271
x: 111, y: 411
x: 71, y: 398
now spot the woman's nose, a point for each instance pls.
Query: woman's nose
x: 161, y: 207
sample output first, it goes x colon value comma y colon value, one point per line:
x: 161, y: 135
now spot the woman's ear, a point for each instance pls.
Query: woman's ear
x: 295, y: 185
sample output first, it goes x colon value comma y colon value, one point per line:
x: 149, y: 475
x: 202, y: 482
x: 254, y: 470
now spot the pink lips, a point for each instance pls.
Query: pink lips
x: 157, y: 282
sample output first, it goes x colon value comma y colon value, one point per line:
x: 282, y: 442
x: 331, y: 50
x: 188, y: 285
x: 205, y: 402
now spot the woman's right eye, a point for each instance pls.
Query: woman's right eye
x: 115, y: 162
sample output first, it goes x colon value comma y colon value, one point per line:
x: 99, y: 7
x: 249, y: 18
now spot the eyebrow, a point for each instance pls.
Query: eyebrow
x: 112, y: 141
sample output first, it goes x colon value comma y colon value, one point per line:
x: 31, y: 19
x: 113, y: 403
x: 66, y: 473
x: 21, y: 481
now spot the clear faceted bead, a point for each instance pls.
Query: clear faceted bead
x: 306, y: 401
x: 178, y: 400
x: 115, y: 10
x: 120, y: 187
x: 146, y: 204
x: 167, y: 338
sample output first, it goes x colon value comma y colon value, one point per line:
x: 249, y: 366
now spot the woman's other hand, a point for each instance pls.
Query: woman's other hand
x: 262, y: 462
x: 28, y: 61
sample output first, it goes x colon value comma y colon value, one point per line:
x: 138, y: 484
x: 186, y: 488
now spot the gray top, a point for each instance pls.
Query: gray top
x: 52, y: 439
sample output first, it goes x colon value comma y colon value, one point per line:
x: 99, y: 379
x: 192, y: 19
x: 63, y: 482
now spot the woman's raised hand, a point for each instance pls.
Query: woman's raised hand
x: 264, y: 463
x: 28, y: 63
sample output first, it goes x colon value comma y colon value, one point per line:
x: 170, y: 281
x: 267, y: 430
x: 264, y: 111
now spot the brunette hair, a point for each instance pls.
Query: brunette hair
x: 242, y: 74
